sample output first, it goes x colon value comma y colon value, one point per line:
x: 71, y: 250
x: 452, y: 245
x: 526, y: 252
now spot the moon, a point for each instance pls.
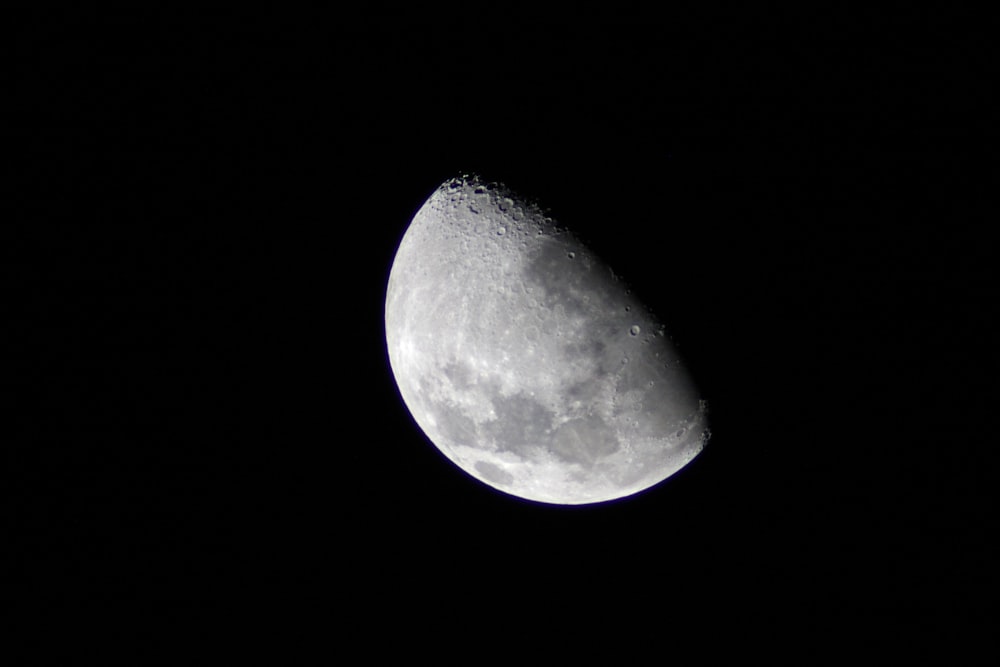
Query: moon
x: 526, y: 360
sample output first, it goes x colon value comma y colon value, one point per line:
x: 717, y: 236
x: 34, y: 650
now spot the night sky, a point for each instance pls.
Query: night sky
x: 204, y: 414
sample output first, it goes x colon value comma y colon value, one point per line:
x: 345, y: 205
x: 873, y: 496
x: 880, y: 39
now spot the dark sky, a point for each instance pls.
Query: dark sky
x: 207, y: 213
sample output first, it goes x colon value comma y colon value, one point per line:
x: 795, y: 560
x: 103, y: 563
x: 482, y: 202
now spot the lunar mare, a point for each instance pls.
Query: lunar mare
x: 526, y: 361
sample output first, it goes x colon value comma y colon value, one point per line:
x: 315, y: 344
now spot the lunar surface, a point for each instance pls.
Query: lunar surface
x: 526, y: 360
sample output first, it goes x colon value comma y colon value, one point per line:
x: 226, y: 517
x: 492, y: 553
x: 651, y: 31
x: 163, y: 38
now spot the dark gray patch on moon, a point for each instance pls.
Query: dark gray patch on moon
x: 521, y: 425
x: 574, y: 284
x: 584, y: 441
x: 668, y: 396
x: 453, y: 424
x: 460, y: 375
x: 493, y: 473
x: 586, y: 391
x: 592, y: 347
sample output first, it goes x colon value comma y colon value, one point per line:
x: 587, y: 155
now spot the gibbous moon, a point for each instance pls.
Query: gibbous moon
x: 526, y: 360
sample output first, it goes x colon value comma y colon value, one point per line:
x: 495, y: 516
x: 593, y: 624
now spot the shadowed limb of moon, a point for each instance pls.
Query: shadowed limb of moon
x: 526, y: 361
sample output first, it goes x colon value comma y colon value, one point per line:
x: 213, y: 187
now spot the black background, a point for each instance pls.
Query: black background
x: 205, y: 421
